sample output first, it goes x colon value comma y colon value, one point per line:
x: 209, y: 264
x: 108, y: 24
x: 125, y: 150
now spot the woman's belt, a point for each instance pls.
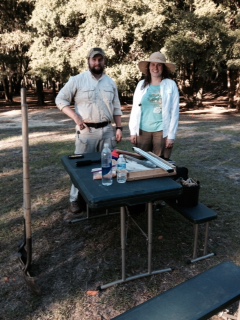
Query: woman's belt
x: 97, y: 125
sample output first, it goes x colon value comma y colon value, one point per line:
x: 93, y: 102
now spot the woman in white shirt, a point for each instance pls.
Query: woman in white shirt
x: 155, y: 112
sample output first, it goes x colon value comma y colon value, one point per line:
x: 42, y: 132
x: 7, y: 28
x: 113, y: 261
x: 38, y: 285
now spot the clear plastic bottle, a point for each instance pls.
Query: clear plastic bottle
x: 121, y: 170
x: 106, y: 160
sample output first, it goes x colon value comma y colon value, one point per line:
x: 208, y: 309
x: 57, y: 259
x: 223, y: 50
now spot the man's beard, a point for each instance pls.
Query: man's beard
x: 96, y: 71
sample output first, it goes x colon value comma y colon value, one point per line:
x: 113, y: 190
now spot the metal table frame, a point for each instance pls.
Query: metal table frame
x: 123, y: 249
x: 95, y: 198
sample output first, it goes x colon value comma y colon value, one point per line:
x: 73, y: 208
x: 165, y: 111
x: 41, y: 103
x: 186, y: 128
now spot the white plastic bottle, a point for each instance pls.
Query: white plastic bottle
x: 121, y: 169
x: 106, y: 160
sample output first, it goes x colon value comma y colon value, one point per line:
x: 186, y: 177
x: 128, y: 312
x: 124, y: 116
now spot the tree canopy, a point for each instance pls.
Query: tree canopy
x: 50, y: 38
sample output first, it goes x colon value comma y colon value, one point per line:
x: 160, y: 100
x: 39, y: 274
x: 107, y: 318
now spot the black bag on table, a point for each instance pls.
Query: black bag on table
x: 181, y: 172
x: 190, y: 194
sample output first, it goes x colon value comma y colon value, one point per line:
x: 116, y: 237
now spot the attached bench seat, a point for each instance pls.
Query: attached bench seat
x: 196, y: 299
x: 199, y: 214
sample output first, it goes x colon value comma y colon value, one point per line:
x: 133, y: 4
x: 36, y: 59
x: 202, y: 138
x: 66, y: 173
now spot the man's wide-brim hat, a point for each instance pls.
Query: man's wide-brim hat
x: 157, y: 57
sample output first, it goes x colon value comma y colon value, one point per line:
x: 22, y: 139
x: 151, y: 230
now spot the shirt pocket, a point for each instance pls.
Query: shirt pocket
x: 86, y: 94
x: 108, y: 93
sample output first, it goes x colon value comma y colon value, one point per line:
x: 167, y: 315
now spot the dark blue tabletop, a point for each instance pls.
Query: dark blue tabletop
x: 118, y: 194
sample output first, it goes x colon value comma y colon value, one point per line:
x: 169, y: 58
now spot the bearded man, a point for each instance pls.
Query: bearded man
x: 96, y: 107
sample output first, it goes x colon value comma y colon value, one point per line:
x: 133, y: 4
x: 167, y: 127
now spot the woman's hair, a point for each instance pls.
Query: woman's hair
x: 147, y: 80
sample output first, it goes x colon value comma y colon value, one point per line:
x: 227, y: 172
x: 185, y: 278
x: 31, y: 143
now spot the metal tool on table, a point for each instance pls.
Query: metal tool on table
x: 81, y: 163
x: 145, y: 163
x: 76, y: 156
x: 160, y: 163
x: 132, y: 154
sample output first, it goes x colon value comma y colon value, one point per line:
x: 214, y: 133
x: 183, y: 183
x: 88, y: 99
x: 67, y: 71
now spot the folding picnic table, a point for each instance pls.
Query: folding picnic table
x: 120, y: 195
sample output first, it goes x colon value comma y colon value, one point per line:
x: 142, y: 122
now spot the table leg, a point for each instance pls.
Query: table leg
x: 150, y: 232
x: 123, y: 250
x: 149, y: 237
x: 123, y: 241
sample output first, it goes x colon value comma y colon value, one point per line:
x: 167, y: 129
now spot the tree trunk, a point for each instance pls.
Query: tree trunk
x: 231, y: 90
x: 8, y: 96
x: 238, y: 92
x: 40, y: 93
x: 186, y: 88
x: 54, y: 89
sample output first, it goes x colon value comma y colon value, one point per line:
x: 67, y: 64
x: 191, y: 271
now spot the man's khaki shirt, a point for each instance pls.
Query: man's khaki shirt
x: 94, y: 100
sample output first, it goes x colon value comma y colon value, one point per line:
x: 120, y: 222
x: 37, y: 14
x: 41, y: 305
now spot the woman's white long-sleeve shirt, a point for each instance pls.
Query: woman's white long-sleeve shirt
x: 170, y: 108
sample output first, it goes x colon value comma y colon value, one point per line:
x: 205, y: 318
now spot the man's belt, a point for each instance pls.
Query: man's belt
x: 97, y: 125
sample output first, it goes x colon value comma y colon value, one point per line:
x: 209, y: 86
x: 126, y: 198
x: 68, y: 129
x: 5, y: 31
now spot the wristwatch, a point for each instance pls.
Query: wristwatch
x: 120, y: 128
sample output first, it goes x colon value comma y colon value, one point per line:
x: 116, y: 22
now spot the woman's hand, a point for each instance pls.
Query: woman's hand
x: 169, y: 143
x: 133, y: 139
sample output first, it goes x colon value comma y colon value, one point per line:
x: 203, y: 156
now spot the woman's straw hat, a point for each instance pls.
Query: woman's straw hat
x: 156, y: 57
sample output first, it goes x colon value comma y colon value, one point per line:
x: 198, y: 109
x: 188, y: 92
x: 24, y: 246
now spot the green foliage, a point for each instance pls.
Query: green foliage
x: 51, y: 38
x: 14, y: 14
x: 15, y: 38
x: 125, y: 75
x: 200, y: 45
x: 234, y: 62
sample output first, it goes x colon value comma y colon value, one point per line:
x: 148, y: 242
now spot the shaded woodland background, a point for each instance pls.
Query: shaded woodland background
x: 43, y: 43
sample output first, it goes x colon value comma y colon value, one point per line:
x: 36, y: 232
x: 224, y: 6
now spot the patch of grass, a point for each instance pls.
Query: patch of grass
x: 69, y: 260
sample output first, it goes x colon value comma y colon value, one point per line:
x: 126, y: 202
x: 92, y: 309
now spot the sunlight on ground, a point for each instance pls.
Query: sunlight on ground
x: 213, y: 110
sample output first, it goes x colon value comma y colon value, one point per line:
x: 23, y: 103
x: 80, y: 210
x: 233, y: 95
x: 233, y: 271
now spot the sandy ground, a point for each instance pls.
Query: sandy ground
x: 36, y: 118
x: 53, y: 117
x: 68, y: 261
